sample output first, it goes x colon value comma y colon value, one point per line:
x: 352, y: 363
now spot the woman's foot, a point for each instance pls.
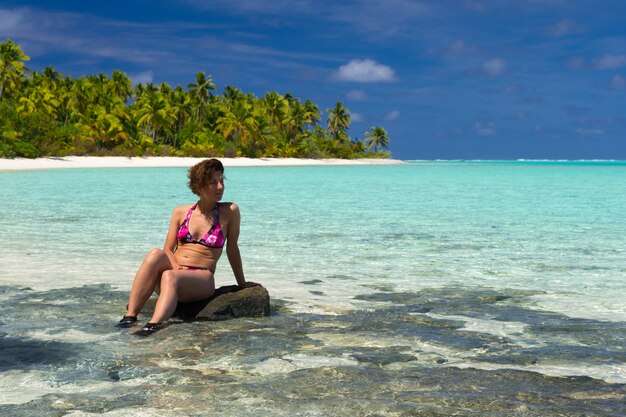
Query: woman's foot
x: 127, y: 321
x: 148, y: 329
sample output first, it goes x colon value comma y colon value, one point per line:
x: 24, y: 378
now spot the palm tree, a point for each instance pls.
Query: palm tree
x: 40, y: 99
x: 121, y: 85
x: 97, y: 108
x: 164, y: 89
x: 295, y: 121
x: 232, y: 95
x: 238, y: 121
x: 107, y: 129
x: 11, y: 65
x: 138, y: 90
x: 150, y: 88
x: 100, y: 84
x: 276, y: 108
x: 200, y: 92
x: 264, y: 131
x: 311, y: 114
x: 377, y: 136
x: 66, y: 109
x: 51, y: 77
x: 83, y: 93
x: 152, y: 113
x: 338, y: 121
x: 180, y: 107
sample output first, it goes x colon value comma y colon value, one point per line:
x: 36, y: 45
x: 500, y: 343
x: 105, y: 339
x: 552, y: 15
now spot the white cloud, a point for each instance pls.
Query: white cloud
x: 393, y: 115
x: 379, y: 19
x: 575, y: 62
x: 564, y: 28
x: 618, y: 82
x: 41, y: 32
x: 589, y: 131
x: 610, y: 62
x: 356, y: 95
x: 356, y: 117
x: 365, y: 71
x: 142, y: 78
x: 485, y: 129
x: 9, y: 21
x: 457, y: 47
x: 494, y: 67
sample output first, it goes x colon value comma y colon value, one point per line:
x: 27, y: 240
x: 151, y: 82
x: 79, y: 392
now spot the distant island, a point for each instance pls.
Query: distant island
x: 49, y: 114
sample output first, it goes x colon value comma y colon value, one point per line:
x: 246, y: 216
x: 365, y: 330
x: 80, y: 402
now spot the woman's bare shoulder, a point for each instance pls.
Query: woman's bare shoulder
x: 182, y: 209
x: 229, y: 206
x: 228, y: 210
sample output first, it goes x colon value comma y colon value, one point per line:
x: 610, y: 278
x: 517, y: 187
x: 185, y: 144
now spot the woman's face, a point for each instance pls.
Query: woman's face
x: 214, y: 188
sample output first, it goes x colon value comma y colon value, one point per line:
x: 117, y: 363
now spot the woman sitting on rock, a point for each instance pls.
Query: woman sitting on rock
x: 183, y: 270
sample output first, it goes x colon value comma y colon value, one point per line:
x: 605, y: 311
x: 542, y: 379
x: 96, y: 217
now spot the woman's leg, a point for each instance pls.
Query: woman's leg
x: 147, y: 279
x: 181, y: 285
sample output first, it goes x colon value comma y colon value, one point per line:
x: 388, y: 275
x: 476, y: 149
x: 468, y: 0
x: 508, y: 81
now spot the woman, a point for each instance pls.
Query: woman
x: 184, y: 269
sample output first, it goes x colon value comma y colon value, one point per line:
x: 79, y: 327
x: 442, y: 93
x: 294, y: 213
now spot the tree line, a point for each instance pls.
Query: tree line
x: 49, y: 114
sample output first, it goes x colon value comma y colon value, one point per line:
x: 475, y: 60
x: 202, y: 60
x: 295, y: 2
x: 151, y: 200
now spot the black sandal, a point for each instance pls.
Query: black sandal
x: 127, y: 321
x: 148, y: 329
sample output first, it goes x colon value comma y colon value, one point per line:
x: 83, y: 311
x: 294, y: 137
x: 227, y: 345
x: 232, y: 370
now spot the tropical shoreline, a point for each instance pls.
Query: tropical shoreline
x: 19, y: 164
x: 51, y: 114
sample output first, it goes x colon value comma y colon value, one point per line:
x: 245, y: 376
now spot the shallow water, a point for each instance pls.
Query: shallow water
x: 423, y: 289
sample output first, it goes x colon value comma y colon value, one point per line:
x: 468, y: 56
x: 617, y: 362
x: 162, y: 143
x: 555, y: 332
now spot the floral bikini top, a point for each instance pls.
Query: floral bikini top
x: 214, y: 238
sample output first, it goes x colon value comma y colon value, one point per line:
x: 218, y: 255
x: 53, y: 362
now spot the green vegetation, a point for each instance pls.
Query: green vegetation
x: 48, y: 114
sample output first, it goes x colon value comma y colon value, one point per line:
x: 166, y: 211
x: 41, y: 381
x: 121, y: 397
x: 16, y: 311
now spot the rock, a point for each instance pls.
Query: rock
x: 228, y: 302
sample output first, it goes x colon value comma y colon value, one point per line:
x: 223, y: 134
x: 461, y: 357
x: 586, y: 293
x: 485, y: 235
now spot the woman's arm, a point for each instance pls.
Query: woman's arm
x: 232, y: 248
x: 171, y: 241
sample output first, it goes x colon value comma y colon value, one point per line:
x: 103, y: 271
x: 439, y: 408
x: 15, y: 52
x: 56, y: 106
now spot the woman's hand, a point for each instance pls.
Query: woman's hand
x: 232, y: 249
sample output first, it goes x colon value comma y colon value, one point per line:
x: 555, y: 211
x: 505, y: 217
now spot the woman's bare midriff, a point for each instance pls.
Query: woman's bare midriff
x: 197, y: 256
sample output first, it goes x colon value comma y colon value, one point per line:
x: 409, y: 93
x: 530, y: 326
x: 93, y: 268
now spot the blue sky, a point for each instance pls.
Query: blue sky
x: 448, y: 79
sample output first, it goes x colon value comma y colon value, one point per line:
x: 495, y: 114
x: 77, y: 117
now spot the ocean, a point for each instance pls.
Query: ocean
x: 432, y: 288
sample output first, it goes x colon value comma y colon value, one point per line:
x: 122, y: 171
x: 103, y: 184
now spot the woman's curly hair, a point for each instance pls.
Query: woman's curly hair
x: 200, y: 174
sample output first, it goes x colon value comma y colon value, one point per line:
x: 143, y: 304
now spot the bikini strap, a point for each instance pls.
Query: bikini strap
x: 216, y: 213
x: 189, y: 214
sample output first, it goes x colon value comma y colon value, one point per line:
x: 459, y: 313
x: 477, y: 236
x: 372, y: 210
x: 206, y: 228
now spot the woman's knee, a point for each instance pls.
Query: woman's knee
x: 155, y: 253
x: 156, y: 256
x: 169, y: 278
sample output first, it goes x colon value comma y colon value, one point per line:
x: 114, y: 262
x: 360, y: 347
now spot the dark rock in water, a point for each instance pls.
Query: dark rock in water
x: 114, y: 375
x: 228, y: 302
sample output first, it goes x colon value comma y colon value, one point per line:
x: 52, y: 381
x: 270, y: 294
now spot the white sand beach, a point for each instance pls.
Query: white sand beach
x: 125, y: 162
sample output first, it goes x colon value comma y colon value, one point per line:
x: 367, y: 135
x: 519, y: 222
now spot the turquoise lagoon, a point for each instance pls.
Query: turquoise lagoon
x: 429, y: 288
